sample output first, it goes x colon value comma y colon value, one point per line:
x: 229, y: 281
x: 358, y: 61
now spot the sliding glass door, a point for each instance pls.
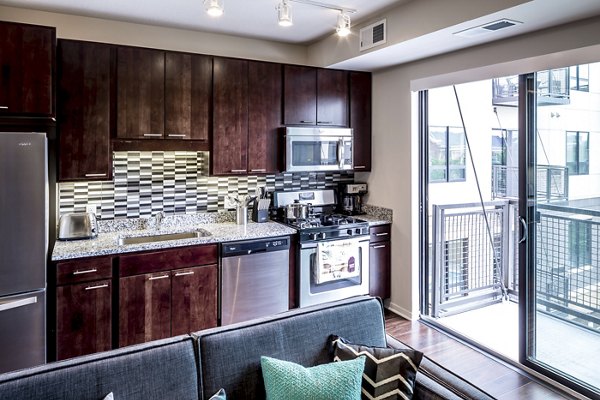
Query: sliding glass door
x: 560, y: 218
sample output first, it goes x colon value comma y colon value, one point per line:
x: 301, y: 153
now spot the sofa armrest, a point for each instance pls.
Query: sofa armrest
x: 437, y: 382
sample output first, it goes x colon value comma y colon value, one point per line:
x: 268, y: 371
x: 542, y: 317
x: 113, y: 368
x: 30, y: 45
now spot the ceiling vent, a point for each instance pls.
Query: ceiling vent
x: 494, y: 26
x: 373, y: 35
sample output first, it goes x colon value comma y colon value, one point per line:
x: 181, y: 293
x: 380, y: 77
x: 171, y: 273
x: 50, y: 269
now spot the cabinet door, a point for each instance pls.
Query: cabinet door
x: 360, y: 119
x: 144, y: 308
x: 264, y: 116
x: 379, y: 269
x: 230, y: 117
x: 188, y: 85
x: 332, y: 97
x: 194, y: 299
x: 140, y: 93
x: 26, y: 69
x: 84, y: 110
x: 83, y: 319
x: 299, y: 95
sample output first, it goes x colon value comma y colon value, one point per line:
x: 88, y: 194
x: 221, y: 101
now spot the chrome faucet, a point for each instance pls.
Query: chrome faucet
x: 156, y: 219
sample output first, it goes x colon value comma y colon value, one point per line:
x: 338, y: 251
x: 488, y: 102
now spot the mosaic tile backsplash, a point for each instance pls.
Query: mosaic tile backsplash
x: 175, y: 182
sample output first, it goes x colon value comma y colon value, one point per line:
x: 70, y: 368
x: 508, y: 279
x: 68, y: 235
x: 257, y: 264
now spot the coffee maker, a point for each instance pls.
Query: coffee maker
x: 350, y: 198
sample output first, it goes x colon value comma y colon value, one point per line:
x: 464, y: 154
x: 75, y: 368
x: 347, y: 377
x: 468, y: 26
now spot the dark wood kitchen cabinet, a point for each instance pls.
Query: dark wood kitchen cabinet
x: 84, y: 101
x: 188, y: 80
x: 26, y: 69
x: 315, y: 96
x: 360, y: 119
x: 83, y: 307
x: 246, y: 117
x: 140, y: 93
x: 165, y: 293
x: 380, y: 261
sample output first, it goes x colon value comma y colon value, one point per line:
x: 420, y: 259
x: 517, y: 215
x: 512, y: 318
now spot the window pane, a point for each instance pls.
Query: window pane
x: 458, y: 149
x: 498, y: 147
x: 572, y: 153
x: 457, y: 173
x: 437, y: 154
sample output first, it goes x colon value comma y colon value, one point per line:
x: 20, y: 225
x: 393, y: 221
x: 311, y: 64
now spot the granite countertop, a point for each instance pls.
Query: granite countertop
x: 376, y: 215
x: 374, y: 220
x: 107, y: 243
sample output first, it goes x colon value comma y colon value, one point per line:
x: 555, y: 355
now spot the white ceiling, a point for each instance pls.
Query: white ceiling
x: 250, y: 18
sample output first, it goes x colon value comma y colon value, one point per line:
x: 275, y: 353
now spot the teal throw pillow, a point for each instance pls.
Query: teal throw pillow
x: 334, y: 381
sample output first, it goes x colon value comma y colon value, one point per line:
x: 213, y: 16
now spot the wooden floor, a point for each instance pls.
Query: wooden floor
x: 493, y: 377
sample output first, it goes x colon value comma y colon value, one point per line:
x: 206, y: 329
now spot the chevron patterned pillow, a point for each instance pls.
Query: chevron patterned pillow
x: 389, y: 373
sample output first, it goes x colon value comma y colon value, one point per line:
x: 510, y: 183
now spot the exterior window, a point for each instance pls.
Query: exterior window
x: 578, y: 152
x: 580, y: 77
x: 580, y: 243
x: 447, y: 154
x: 498, y: 147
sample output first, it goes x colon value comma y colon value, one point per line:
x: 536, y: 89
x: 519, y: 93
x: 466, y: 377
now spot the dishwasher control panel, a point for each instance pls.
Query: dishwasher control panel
x: 255, y: 246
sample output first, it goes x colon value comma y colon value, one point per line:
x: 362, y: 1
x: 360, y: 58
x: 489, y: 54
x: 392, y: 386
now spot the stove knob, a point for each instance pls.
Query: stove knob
x: 323, y: 235
x: 314, y: 236
x: 358, y: 231
x: 349, y: 232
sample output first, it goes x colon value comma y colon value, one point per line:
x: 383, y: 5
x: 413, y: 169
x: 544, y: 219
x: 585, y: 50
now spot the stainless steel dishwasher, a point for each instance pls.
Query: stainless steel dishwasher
x: 254, y: 279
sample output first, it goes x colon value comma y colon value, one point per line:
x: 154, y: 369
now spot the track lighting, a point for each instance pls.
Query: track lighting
x: 343, y: 24
x: 284, y: 13
x: 214, y: 8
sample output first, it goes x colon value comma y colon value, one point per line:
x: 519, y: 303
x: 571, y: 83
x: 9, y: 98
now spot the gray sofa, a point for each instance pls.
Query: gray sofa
x: 195, y: 366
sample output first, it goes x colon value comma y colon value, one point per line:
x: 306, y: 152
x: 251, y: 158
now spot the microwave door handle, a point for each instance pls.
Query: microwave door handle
x: 340, y: 153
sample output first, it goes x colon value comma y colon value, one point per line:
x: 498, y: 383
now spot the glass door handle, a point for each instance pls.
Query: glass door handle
x: 523, y: 237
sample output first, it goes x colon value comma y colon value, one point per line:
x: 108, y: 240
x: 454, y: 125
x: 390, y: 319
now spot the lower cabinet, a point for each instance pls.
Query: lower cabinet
x: 380, y: 252
x: 83, y: 307
x: 167, y: 293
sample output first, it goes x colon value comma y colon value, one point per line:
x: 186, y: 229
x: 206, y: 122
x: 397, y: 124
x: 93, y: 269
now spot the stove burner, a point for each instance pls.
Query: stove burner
x: 337, y: 219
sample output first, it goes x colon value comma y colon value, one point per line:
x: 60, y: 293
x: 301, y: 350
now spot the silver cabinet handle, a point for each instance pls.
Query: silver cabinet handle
x: 307, y: 122
x: 381, y: 246
x: 153, y: 278
x: 87, y: 271
x: 97, y: 287
x: 153, y: 135
x: 325, y: 122
x: 238, y: 170
x: 184, y: 273
x: 3, y: 107
x: 360, y: 166
x: 94, y: 175
x: 176, y: 135
x: 258, y: 170
x: 382, y: 234
x: 17, y: 303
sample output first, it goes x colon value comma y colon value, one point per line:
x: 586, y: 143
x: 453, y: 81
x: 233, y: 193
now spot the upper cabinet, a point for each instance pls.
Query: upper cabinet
x: 26, y: 69
x: 163, y: 94
x: 188, y: 79
x: 314, y: 96
x: 140, y: 93
x: 246, y: 116
x: 360, y: 119
x: 84, y: 76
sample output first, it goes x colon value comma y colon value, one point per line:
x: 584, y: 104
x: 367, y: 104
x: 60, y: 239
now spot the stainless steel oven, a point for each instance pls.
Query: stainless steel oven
x: 318, y: 149
x: 347, y: 275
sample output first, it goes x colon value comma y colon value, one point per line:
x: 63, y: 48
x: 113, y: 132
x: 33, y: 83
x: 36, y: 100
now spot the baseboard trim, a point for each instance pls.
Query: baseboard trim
x: 401, y: 311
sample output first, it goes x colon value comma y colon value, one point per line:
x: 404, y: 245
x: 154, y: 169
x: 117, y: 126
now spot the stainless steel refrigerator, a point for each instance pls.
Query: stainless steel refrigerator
x: 23, y: 249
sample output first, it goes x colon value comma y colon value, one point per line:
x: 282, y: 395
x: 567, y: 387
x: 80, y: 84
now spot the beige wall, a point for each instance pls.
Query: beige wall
x: 393, y: 181
x: 103, y: 30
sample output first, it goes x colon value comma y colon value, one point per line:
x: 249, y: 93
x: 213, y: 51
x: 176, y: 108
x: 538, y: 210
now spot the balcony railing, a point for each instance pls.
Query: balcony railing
x: 473, y: 267
x: 552, y: 88
x: 552, y: 183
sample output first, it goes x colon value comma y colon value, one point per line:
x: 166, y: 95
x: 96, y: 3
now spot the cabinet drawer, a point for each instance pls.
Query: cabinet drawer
x: 164, y: 260
x: 83, y: 270
x: 380, y: 233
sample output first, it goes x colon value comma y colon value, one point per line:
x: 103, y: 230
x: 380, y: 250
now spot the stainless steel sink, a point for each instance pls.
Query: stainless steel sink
x: 159, y: 237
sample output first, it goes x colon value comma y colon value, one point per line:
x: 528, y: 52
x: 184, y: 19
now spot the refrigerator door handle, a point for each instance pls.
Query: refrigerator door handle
x: 17, y: 303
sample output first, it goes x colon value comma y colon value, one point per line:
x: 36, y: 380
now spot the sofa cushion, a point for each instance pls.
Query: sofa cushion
x: 164, y: 369
x: 230, y: 355
x: 286, y: 380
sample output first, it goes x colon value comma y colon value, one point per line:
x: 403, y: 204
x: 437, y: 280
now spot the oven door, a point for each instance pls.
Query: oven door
x: 318, y: 153
x: 333, y: 270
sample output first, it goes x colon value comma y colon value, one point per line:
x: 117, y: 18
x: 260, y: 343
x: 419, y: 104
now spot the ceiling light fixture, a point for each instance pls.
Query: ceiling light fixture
x: 214, y: 8
x: 343, y: 22
x: 284, y: 13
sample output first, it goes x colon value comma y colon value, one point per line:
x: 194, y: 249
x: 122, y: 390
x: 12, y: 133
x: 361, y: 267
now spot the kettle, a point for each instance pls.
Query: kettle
x: 75, y: 226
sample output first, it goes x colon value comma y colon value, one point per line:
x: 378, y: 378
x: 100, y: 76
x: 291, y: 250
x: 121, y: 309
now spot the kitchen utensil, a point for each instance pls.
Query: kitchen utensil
x: 297, y: 210
x: 77, y: 226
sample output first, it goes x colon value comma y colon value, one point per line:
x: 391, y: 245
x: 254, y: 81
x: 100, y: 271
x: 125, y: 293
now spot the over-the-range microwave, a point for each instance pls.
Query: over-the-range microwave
x: 318, y: 149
